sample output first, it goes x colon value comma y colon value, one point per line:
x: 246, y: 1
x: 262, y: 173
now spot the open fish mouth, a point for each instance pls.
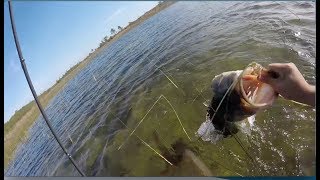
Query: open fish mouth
x: 254, y: 92
x: 237, y: 95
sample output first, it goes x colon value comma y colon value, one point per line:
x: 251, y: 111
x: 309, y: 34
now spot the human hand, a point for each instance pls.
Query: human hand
x: 286, y: 79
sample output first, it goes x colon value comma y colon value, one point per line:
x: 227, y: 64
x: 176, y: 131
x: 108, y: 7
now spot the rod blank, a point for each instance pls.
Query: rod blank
x: 24, y: 67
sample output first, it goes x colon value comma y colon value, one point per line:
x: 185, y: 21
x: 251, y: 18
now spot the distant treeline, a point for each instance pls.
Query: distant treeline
x: 21, y: 112
x: 15, y: 132
x: 68, y: 71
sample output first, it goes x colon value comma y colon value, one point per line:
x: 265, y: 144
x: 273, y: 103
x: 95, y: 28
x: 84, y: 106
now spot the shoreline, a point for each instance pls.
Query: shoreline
x: 16, y: 128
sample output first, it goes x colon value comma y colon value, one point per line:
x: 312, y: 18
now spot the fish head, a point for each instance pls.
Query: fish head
x: 237, y: 95
x: 255, y: 94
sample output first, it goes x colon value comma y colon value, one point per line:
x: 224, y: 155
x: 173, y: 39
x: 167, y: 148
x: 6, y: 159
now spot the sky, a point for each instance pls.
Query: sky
x: 54, y: 36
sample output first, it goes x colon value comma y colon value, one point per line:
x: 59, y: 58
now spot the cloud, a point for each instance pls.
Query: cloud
x: 115, y: 14
x: 14, y: 66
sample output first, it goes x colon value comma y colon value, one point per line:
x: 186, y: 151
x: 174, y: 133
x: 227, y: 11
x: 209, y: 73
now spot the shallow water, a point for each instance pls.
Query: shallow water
x: 190, y: 42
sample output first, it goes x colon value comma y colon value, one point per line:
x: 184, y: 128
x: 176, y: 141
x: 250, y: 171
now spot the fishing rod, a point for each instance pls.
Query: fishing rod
x: 24, y: 67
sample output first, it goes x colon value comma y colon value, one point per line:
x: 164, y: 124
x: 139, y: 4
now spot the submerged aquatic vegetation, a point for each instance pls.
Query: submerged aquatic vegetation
x: 190, y: 53
x: 161, y: 151
x: 161, y: 96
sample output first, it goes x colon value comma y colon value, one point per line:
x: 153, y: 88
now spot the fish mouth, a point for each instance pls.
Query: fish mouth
x: 253, y: 91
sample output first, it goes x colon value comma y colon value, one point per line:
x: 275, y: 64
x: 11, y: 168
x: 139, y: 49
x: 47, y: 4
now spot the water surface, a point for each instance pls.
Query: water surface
x: 190, y: 42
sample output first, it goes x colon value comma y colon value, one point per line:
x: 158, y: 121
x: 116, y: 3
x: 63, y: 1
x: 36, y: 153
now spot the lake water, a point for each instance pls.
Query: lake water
x: 190, y: 42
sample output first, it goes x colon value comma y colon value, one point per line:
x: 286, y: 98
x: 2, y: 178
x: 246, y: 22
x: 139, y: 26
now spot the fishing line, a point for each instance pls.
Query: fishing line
x: 288, y: 10
x: 24, y: 67
x: 198, y: 139
x: 239, y: 142
x: 283, y: 38
x: 227, y: 92
x: 235, y: 135
x: 223, y: 98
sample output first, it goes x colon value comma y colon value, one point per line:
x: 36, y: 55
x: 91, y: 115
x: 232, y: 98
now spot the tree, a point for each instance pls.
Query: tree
x: 105, y: 38
x: 112, y: 31
x: 119, y: 28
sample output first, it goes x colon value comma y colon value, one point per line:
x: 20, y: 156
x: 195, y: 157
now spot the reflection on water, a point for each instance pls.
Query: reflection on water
x: 190, y: 42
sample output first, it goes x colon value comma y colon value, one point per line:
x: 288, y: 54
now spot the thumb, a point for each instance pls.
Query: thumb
x: 265, y: 77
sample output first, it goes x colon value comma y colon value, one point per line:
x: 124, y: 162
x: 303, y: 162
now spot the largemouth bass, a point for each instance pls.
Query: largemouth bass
x: 237, y: 95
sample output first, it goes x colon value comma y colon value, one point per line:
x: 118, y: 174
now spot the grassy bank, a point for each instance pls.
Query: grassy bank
x: 16, y: 129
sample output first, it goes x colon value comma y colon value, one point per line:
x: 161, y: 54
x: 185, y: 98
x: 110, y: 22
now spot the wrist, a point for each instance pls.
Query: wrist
x: 311, y: 95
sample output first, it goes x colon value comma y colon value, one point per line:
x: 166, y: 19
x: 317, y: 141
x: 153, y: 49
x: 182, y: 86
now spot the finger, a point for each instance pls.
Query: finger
x: 281, y: 68
x: 277, y: 67
x: 267, y: 78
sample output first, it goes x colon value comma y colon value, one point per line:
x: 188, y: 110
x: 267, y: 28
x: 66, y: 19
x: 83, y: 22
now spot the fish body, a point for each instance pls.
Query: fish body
x: 237, y: 95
